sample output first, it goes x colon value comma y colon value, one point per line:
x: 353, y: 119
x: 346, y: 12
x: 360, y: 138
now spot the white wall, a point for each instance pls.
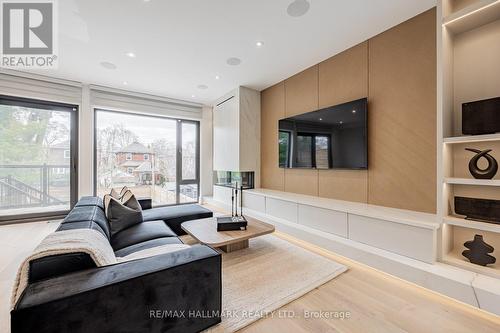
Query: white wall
x: 206, y: 151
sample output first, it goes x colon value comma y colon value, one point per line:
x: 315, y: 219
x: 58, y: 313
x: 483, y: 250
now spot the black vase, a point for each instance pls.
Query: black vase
x: 478, y: 250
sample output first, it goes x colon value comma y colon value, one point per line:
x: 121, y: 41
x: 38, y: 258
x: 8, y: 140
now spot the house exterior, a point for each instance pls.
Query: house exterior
x: 58, y: 158
x: 138, y: 160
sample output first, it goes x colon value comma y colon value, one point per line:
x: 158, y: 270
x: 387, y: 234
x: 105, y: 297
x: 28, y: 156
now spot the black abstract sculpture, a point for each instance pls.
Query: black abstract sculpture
x: 478, y: 250
x: 490, y: 171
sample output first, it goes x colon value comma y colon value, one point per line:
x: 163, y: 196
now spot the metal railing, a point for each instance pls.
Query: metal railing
x: 30, y: 185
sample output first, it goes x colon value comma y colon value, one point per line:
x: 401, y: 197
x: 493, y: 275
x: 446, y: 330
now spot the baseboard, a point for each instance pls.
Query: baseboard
x: 468, y: 287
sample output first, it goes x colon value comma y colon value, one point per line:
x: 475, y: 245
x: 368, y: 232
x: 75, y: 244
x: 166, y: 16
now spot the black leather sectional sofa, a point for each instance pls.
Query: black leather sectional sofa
x: 172, y: 292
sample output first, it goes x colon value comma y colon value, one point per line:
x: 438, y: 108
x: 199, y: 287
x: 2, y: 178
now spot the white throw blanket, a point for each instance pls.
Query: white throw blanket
x: 87, y: 241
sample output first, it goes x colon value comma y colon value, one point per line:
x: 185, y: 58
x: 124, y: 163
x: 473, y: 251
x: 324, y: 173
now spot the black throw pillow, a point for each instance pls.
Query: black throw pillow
x: 122, y: 214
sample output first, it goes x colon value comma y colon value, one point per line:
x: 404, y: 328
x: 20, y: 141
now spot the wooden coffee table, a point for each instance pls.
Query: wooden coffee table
x: 205, y: 231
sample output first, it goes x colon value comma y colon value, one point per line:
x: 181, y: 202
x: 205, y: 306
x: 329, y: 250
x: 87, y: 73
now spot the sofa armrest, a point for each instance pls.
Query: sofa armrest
x: 146, y: 203
x: 179, y: 292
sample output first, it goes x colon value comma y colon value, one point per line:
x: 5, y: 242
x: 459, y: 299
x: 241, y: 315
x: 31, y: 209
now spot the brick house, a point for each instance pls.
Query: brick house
x: 138, y: 160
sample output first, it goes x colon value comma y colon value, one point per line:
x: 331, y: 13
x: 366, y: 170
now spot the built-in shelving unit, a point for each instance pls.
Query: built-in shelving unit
x: 462, y: 222
x: 472, y: 138
x: 468, y: 55
x: 472, y: 181
x: 456, y: 259
x: 475, y: 15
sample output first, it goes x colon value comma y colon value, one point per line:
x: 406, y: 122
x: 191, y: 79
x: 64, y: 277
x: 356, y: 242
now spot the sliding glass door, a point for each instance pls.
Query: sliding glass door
x: 156, y: 157
x: 38, y: 141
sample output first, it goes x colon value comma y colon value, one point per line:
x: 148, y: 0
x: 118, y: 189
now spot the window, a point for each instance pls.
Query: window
x: 37, y: 153
x: 168, y: 171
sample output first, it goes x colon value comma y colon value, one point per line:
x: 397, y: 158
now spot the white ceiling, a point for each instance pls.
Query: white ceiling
x: 180, y: 44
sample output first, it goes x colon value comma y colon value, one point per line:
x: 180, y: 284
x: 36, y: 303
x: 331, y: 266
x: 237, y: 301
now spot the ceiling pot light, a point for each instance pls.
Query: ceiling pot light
x: 125, y: 83
x: 217, y: 77
x: 202, y: 86
x: 233, y: 61
x: 298, y: 8
x: 108, y: 65
x: 193, y: 96
x: 353, y: 111
x: 259, y: 44
x: 130, y: 54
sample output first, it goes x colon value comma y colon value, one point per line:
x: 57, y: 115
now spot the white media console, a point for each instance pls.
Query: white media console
x: 400, y: 242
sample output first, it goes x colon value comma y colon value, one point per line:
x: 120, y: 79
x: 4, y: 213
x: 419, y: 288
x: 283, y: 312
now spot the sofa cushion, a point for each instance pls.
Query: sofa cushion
x: 140, y: 233
x: 50, y: 266
x: 154, y: 251
x: 123, y: 213
x: 82, y: 225
x: 89, y: 213
x: 147, y: 245
x: 90, y: 201
x: 175, y: 215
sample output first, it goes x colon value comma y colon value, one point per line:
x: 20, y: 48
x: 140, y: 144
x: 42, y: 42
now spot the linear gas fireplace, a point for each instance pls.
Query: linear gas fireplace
x: 230, y: 178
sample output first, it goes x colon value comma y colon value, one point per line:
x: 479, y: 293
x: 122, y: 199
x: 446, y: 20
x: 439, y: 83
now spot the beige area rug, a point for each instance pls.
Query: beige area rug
x: 269, y: 274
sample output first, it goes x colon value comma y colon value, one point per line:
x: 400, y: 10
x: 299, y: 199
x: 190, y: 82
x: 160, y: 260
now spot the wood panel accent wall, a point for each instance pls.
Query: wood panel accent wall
x: 343, y: 78
x: 397, y: 71
x: 301, y: 92
x: 272, y: 109
x: 402, y: 115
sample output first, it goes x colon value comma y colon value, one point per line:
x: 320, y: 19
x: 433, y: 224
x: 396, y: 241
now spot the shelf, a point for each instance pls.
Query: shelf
x: 472, y: 138
x: 473, y: 16
x: 472, y: 181
x: 470, y: 224
x: 456, y: 259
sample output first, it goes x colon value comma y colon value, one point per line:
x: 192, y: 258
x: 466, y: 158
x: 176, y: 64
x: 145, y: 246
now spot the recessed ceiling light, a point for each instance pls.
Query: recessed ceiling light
x: 320, y: 118
x: 130, y: 54
x: 341, y: 122
x: 125, y: 83
x: 202, y: 86
x: 233, y: 61
x: 259, y: 44
x: 217, y: 77
x: 193, y: 96
x: 298, y: 8
x: 353, y: 111
x: 108, y: 65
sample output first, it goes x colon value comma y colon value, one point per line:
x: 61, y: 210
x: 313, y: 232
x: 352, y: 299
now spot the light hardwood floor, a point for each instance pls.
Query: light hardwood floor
x: 376, y: 301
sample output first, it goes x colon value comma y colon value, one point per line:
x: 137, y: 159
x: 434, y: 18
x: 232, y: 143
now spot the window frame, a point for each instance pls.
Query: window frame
x: 179, y: 180
x: 73, y: 110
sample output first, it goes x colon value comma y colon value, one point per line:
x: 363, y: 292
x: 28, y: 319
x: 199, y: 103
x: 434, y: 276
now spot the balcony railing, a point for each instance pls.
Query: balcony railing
x: 23, y: 186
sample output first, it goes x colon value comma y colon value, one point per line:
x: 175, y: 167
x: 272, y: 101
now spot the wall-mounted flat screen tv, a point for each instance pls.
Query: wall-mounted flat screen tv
x: 330, y: 138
